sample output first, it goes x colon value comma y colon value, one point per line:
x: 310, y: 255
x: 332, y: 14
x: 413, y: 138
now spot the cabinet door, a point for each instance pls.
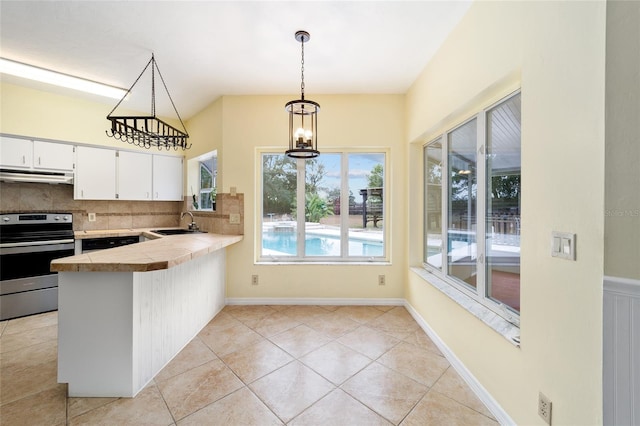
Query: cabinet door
x: 95, y: 174
x: 167, y: 178
x: 16, y: 153
x: 134, y: 176
x: 52, y: 156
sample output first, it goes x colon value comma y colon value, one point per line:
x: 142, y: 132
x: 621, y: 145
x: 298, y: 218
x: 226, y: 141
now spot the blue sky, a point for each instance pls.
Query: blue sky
x: 360, y: 166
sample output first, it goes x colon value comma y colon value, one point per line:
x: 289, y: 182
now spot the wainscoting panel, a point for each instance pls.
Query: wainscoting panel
x: 621, y: 351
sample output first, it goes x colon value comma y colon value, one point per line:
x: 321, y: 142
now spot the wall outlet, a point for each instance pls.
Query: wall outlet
x: 233, y: 190
x: 234, y: 218
x: 381, y: 280
x: 92, y: 217
x: 544, y: 408
x: 254, y: 280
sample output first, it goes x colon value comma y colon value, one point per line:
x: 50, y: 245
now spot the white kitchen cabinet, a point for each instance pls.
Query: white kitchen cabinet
x: 95, y: 174
x: 167, y: 178
x: 52, y: 156
x: 25, y: 154
x: 16, y: 153
x: 134, y: 175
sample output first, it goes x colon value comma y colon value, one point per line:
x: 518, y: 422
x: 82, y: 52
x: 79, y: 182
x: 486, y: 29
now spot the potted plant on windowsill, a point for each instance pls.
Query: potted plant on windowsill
x: 213, y: 194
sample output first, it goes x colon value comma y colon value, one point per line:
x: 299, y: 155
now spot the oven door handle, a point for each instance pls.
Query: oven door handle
x: 37, y: 246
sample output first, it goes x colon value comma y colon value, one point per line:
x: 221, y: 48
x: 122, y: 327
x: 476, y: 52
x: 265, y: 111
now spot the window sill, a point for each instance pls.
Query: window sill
x: 496, y: 322
x: 325, y: 262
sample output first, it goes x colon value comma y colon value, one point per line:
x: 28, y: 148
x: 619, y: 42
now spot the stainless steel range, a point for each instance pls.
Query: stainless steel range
x: 28, y: 244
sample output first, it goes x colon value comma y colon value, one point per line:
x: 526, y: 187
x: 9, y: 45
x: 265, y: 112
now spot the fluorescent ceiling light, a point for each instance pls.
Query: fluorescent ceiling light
x: 64, y: 80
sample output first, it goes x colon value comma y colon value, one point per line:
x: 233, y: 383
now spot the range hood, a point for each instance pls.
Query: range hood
x: 35, y: 177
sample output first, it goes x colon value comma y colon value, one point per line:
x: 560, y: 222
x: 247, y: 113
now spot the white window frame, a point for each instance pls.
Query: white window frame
x: 479, y: 294
x: 300, y: 257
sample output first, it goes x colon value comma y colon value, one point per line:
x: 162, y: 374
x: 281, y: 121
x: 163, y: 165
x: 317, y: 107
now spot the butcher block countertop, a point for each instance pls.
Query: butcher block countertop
x: 160, y: 252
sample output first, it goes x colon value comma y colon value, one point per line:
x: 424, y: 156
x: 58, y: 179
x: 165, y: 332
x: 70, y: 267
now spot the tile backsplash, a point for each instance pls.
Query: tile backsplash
x: 116, y: 214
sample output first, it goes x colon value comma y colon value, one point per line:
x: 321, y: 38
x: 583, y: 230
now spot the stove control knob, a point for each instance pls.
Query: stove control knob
x: 56, y: 218
x: 6, y: 219
x: 67, y: 218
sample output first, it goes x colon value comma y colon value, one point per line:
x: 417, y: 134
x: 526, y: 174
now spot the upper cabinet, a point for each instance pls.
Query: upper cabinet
x: 134, y: 175
x: 167, y: 178
x: 25, y: 154
x: 95, y: 174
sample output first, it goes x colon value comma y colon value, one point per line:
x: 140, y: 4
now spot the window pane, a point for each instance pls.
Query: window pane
x: 503, y: 203
x: 433, y: 204
x: 366, y: 208
x: 461, y: 231
x: 322, y: 189
x: 279, y: 179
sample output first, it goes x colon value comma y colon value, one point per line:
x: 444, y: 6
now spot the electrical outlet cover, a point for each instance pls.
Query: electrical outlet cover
x: 544, y: 408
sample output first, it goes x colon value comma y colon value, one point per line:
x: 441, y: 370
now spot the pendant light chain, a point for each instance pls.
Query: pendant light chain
x: 302, y: 71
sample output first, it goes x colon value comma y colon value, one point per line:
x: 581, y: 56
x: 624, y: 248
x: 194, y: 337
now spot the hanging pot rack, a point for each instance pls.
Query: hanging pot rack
x: 148, y: 130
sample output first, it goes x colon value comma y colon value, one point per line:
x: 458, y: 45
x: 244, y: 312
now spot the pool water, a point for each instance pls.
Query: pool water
x: 317, y: 245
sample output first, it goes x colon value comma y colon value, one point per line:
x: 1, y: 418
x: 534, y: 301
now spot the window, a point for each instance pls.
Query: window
x: 329, y: 208
x: 202, y: 174
x: 472, y: 187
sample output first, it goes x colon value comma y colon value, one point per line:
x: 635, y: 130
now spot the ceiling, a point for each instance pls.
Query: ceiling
x: 205, y: 49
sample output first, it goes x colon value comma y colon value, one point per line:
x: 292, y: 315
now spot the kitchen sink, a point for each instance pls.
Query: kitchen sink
x: 176, y: 231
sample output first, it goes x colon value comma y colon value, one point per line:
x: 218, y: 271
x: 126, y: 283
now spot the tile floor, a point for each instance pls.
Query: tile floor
x: 257, y: 365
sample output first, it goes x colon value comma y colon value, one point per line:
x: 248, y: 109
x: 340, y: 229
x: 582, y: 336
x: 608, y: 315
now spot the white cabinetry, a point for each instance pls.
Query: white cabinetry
x: 52, y: 156
x: 134, y: 176
x: 167, y: 178
x: 95, y: 174
x: 25, y: 154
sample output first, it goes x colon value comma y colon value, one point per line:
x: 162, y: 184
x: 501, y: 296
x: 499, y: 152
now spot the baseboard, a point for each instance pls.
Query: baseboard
x: 492, y: 405
x: 314, y: 301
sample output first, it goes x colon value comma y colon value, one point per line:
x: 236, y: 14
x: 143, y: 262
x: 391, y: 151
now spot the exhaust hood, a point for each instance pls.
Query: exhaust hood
x: 35, y: 177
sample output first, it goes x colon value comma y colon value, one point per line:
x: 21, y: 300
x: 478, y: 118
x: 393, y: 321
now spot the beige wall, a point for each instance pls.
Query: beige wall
x: 252, y: 122
x: 556, y: 52
x: 622, y: 176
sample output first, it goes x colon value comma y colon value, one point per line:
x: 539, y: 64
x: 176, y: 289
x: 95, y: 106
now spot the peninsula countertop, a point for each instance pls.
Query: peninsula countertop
x: 160, y: 252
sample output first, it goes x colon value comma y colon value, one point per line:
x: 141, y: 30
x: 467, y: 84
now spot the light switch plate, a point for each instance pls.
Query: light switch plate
x: 234, y: 218
x: 92, y: 217
x: 563, y: 245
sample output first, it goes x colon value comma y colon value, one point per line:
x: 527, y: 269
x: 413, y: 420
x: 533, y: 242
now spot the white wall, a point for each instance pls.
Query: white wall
x: 555, y: 51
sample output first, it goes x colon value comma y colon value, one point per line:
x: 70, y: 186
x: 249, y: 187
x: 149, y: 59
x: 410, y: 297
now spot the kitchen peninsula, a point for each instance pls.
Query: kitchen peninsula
x: 125, y: 312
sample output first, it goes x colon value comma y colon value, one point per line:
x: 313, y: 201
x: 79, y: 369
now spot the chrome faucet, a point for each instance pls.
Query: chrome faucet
x: 192, y: 226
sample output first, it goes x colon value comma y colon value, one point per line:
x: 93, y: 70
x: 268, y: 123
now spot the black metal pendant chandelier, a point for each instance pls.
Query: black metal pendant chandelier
x: 148, y: 130
x: 303, y: 118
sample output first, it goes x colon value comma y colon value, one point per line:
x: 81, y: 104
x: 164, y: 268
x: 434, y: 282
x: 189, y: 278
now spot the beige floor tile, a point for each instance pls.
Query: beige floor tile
x: 279, y: 308
x: 43, y: 408
x: 397, y: 322
x: 332, y: 325
x: 300, y: 340
x: 19, y: 325
x: 251, y: 313
x: 29, y: 356
x: 198, y: 387
x: 240, y: 408
x: 384, y: 308
x: 390, y: 394
x: 221, y: 321
x: 193, y: 355
x: 3, y: 326
x: 453, y: 386
x: 335, y: 362
x: 419, y: 338
x: 27, y: 381
x: 418, y: 364
x: 303, y: 313
x: 361, y: 314
x: 272, y: 324
x: 330, y: 308
x: 291, y: 389
x: 370, y: 342
x: 78, y: 406
x: 338, y: 409
x: 229, y: 339
x: 13, y: 342
x: 256, y: 360
x: 146, y: 408
x: 437, y: 409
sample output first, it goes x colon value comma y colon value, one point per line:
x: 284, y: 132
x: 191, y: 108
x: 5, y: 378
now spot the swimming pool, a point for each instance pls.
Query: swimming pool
x: 284, y: 243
